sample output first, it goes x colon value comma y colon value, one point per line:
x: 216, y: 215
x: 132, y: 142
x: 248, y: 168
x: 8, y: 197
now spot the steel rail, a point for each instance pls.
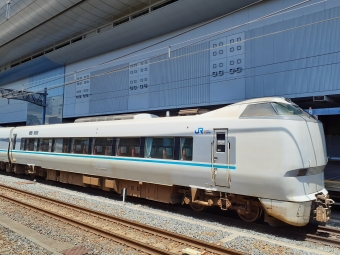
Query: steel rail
x: 323, y: 240
x: 323, y: 234
x: 101, y: 232
x: 315, y: 234
x: 329, y: 230
x: 208, y: 247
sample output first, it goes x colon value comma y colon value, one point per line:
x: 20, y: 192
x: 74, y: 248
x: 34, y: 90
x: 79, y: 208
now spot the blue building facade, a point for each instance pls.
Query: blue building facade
x: 276, y: 48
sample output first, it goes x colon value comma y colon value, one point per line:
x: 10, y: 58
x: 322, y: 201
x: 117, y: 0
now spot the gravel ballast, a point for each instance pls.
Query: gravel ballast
x: 240, y: 239
x: 12, y: 243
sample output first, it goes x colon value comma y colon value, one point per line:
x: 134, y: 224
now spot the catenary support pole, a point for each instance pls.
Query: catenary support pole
x: 44, y: 107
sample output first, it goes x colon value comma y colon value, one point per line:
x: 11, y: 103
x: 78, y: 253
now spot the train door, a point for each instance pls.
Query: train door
x: 221, y: 158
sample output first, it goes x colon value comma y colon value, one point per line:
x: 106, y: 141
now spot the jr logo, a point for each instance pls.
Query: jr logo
x: 199, y: 131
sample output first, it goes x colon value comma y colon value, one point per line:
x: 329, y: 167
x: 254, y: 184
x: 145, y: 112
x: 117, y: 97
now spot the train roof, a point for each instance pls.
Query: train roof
x: 264, y: 99
x: 230, y: 111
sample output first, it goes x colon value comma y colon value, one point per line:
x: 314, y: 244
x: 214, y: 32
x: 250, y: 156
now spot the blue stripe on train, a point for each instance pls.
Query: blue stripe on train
x: 145, y: 160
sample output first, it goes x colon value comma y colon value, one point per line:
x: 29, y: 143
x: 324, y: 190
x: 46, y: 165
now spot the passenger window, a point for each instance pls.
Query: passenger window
x: 45, y: 144
x: 61, y: 145
x: 32, y: 144
x: 23, y: 143
x: 186, y: 148
x: 66, y: 145
x: 58, y: 145
x: 102, y: 146
x: 159, y: 148
x: 80, y: 145
x: 128, y: 147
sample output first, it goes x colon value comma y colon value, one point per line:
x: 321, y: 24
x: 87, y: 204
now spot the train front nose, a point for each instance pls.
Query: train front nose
x: 317, y: 135
x: 316, y: 157
x: 321, y: 206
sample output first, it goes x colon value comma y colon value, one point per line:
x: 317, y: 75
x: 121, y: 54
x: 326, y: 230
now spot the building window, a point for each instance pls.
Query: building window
x: 102, y: 146
x: 162, y: 148
x: 128, y: 147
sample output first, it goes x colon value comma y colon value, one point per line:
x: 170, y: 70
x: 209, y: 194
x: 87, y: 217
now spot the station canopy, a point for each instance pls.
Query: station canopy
x: 36, y: 36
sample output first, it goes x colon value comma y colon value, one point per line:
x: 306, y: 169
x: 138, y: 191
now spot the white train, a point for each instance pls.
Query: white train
x: 261, y: 155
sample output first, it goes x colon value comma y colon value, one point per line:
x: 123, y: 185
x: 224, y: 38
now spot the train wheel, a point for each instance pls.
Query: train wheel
x: 254, y: 214
x: 197, y: 207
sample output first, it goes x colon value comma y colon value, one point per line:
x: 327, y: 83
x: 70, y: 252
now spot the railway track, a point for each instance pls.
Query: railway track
x: 141, y: 237
x: 312, y: 233
x: 325, y: 235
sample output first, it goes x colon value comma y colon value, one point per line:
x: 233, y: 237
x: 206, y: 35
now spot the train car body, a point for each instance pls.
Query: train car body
x: 261, y: 154
x: 5, y: 133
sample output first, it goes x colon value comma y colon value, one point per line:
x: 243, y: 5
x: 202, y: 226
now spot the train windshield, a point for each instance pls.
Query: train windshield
x: 287, y: 109
x: 274, y: 109
x: 290, y: 109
